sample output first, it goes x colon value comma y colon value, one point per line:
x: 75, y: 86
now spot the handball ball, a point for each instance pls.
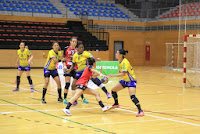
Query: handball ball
x: 104, y: 80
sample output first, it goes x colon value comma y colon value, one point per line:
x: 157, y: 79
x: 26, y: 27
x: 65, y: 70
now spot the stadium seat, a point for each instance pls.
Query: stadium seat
x: 105, y: 11
x: 95, y: 11
x: 78, y: 6
x: 71, y: 9
x: 94, y: 14
x: 18, y: 6
x: 90, y: 7
x: 11, y: 5
x: 8, y: 1
x: 63, y: 2
x: 27, y: 3
x: 97, y: 4
x: 5, y: 5
x: 89, y: 10
x: 44, y: 4
x: 69, y: 2
x: 46, y: 11
x: 40, y: 11
x: 23, y: 6
x: 83, y: 10
x: 112, y: 5
x: 46, y: 0
x: 30, y: 6
x: 2, y: 1
x: 14, y: 2
x: 48, y: 8
x: 8, y: 9
x: 20, y: 2
x: 50, y: 4
x: 89, y: 14
x: 86, y: 3
x: 96, y: 7
x: 84, y: 6
x: 21, y: 10
x: 28, y: 10
x: 67, y: 5
x: 116, y: 15
x: 73, y: 6
x: 54, y: 8
x: 111, y: 15
x: 108, y: 5
x: 105, y: 15
x: 34, y: 11
x: 39, y: 4
x: 122, y: 16
x: 77, y: 9
x: 77, y: 13
x: 74, y: 2
x: 15, y: 9
x: 100, y: 14
x: 36, y: 7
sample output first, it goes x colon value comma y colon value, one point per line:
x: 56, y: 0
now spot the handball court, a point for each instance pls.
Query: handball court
x: 169, y: 109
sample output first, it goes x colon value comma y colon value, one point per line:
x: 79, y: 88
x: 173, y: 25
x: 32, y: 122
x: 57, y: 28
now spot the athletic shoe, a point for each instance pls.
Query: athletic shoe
x: 65, y: 101
x: 108, y: 95
x: 106, y: 108
x: 32, y: 90
x: 84, y: 101
x: 75, y: 103
x: 43, y: 101
x: 115, y: 106
x: 60, y: 100
x: 66, y: 111
x: 140, y: 114
x: 16, y: 89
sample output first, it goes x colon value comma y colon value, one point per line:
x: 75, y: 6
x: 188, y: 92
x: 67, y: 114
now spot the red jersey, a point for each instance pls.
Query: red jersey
x: 87, y: 74
x: 68, y: 53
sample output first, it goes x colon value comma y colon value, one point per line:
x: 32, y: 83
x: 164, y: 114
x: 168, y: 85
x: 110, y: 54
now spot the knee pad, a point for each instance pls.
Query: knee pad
x: 96, y: 81
x: 67, y: 85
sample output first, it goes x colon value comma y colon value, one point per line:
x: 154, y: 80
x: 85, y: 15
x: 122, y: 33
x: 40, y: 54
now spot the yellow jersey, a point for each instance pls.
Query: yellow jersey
x: 80, y: 60
x: 125, y: 66
x: 23, y: 57
x: 50, y: 64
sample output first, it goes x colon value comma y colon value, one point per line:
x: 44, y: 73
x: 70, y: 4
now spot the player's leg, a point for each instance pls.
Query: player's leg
x: 57, y: 80
x: 119, y: 86
x: 19, y: 74
x: 132, y: 91
x: 74, y: 91
x: 27, y: 70
x: 78, y: 93
x: 98, y: 83
x: 97, y: 96
x: 47, y: 74
x: 67, y: 85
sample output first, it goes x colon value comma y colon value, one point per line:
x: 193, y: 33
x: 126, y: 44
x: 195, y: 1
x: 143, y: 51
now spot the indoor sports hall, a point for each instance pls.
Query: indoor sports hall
x: 162, y: 38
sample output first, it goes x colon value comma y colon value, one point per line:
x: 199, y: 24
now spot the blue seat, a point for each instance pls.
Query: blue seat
x: 127, y: 16
x: 116, y: 15
x: 67, y: 5
x: 117, y: 9
x: 46, y: 0
x: 42, y: 7
x: 86, y: 3
x: 33, y: 3
x: 84, y: 10
x: 36, y: 7
x: 77, y: 13
x: 90, y: 7
x: 87, y: 0
x: 48, y: 8
x: 107, y: 5
x: 63, y: 2
x: 100, y: 14
x: 20, y: 2
x: 5, y: 5
x: 112, y: 5
x: 11, y: 5
x: 94, y: 10
x: 89, y: 10
x: 54, y: 8
x: 58, y: 12
x: 2, y: 9
x: 94, y: 14
x: 77, y: 9
x: 35, y: 0
x: 8, y: 9
x: 39, y: 4
x: 18, y: 6
x: 111, y: 15
x: 80, y: 3
x: 28, y: 10
x: 34, y: 10
x: 15, y: 9
x: 112, y: 8
x: 105, y: 11
x: 97, y: 4
x: 117, y: 12
x: 102, y: 4
x: 8, y: 1
x: 96, y: 7
x: 40, y: 0
x: 122, y: 16
x: 89, y: 14
x: 71, y: 9
x: 73, y: 6
x: 53, y: 12
x: 69, y: 2
x: 111, y: 12
x: 84, y: 6
x: 101, y: 11
x: 2, y: 1
x: 105, y: 15
x: 107, y: 8
x: 14, y: 2
x: 23, y: 6
x: 21, y: 10
x: 44, y: 4
x: 122, y: 12
x: 40, y: 11
x: 78, y: 6
x: 101, y: 8
x: 27, y: 3
x: 74, y: 2
x: 50, y: 4
x: 46, y: 11
x: 30, y: 6
x: 91, y: 3
x: 92, y: 0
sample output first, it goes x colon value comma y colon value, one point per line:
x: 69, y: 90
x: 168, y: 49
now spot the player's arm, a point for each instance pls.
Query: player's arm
x: 17, y: 62
x: 72, y: 67
x: 97, y: 72
x: 54, y: 59
x: 30, y: 59
x: 117, y: 75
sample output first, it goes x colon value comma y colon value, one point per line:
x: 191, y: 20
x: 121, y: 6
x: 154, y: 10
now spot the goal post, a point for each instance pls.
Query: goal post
x: 191, y: 61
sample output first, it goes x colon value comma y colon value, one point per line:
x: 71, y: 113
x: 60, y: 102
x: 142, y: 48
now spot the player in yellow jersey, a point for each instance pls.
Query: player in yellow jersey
x: 54, y: 57
x: 80, y: 59
x: 23, y: 61
x: 128, y: 80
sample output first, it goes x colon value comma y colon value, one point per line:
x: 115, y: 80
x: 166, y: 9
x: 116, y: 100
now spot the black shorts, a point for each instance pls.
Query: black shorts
x: 81, y: 87
x: 70, y: 74
x: 48, y: 73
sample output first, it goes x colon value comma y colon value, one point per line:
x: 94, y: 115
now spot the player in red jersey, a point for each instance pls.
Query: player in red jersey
x: 68, y: 53
x: 81, y: 86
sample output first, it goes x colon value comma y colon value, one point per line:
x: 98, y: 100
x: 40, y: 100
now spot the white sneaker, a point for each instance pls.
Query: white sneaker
x: 106, y: 108
x: 66, y: 111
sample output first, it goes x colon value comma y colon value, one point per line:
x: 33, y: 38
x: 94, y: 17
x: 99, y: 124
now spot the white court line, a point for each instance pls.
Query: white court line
x: 5, y: 95
x: 184, y: 122
x: 19, y: 104
x: 45, y: 110
x: 124, y: 122
x: 174, y: 110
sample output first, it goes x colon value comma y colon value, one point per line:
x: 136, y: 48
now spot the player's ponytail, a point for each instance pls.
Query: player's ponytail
x: 123, y: 52
x: 90, y: 61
